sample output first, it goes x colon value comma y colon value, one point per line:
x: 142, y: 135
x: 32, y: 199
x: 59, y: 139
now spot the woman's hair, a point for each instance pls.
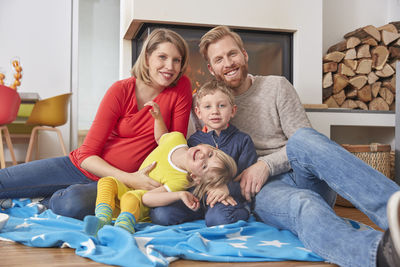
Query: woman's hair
x: 216, y: 176
x: 158, y: 36
x: 213, y: 86
x: 216, y: 34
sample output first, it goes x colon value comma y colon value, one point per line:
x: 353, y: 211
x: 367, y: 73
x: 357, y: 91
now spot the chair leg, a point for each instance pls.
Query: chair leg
x: 31, y: 142
x: 2, y: 156
x: 60, y: 138
x: 9, y: 145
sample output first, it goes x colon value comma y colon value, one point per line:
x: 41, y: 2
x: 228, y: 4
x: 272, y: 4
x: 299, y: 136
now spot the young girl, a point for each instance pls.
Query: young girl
x: 178, y: 167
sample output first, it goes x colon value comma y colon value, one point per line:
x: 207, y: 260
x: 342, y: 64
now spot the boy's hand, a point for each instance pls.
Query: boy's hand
x: 190, y: 200
x: 220, y: 194
x: 155, y: 110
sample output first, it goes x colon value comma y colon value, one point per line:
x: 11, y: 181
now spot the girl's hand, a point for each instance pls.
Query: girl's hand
x: 155, y: 110
x: 219, y: 194
x: 141, y: 179
x: 190, y: 200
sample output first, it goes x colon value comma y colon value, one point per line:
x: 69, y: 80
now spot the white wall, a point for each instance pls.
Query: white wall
x: 302, y: 17
x: 39, y: 33
x: 98, y: 54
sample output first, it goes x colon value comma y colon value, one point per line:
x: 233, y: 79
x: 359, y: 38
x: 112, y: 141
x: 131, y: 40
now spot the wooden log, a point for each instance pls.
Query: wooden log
x: 334, y: 56
x: 364, y: 94
x: 372, y: 77
x: 367, y: 31
x: 341, y: 46
x: 364, y: 66
x: 351, y: 63
x: 340, y: 97
x: 327, y: 92
x: 358, y: 81
x: 327, y: 80
x: 396, y: 24
x: 387, y: 95
x: 339, y: 83
x: 380, y: 54
x: 349, y: 104
x: 350, y: 54
x: 330, y: 67
x: 394, y: 52
x: 375, y: 87
x: 388, y: 27
x: 351, y: 93
x: 352, y: 42
x: 363, y: 51
x: 361, y: 105
x: 385, y: 72
x: 345, y: 70
x: 331, y: 102
x: 392, y: 64
x: 369, y: 41
x: 388, y: 37
x: 378, y: 104
x: 390, y: 83
x: 396, y: 43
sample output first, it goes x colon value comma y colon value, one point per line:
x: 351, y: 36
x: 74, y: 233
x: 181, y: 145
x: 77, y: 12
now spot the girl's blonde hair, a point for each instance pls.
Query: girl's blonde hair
x: 158, y: 36
x: 216, y: 176
x: 216, y: 34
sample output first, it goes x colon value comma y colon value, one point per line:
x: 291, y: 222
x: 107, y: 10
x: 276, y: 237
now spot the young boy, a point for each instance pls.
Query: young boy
x: 215, y: 107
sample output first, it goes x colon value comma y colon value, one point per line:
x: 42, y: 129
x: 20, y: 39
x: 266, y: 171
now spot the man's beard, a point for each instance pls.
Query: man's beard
x: 235, y: 84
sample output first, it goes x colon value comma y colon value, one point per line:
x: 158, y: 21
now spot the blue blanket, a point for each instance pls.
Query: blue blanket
x: 154, y: 245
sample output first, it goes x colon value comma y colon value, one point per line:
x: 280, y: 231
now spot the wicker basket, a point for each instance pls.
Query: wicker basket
x: 378, y: 156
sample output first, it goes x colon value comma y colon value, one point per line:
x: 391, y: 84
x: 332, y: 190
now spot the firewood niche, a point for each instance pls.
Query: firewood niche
x: 359, y: 72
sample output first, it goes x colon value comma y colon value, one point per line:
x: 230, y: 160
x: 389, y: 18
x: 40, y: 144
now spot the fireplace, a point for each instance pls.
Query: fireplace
x: 270, y: 52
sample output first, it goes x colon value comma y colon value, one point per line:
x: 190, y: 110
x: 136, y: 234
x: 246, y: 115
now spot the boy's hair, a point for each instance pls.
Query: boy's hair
x: 158, y: 36
x: 211, y: 87
x: 216, y: 176
x: 216, y: 34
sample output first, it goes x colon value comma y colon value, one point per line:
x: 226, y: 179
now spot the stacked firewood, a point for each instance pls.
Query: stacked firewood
x: 359, y: 72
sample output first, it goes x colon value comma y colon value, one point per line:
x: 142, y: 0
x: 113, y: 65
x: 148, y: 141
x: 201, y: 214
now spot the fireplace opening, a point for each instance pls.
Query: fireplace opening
x: 270, y: 52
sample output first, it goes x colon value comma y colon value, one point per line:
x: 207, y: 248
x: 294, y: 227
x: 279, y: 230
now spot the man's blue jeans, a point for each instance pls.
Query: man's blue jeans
x: 66, y: 189
x: 301, y: 200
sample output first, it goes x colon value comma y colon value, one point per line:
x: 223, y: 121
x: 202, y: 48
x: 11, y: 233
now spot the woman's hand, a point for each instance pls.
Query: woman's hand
x: 220, y: 194
x: 141, y: 179
x: 190, y: 200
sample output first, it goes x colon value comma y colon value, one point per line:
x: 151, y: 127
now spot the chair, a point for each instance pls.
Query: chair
x: 48, y: 114
x: 9, y: 105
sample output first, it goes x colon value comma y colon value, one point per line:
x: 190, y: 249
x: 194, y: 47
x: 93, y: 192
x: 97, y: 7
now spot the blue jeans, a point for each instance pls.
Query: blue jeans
x: 67, y: 191
x: 301, y: 200
x: 178, y: 212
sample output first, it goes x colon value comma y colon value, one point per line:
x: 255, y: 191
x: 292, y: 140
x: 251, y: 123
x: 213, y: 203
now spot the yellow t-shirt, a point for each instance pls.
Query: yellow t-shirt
x: 165, y: 172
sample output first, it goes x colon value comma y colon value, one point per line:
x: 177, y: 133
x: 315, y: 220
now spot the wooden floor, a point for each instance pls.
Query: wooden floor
x: 14, y: 254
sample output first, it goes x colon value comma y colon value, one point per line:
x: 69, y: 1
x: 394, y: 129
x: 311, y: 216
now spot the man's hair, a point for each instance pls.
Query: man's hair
x: 216, y: 34
x: 141, y: 69
x: 211, y: 87
x: 216, y: 176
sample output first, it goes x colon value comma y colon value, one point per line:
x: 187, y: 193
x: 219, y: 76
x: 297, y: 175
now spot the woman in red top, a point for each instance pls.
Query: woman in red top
x: 121, y: 135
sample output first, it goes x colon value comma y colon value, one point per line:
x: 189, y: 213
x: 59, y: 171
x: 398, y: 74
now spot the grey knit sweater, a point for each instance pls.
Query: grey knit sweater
x: 270, y: 112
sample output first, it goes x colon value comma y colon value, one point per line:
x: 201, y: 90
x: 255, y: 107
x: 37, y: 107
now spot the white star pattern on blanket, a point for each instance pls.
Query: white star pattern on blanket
x: 23, y: 225
x: 238, y: 236
x: 89, y: 245
x: 238, y: 245
x: 42, y: 236
x: 275, y: 243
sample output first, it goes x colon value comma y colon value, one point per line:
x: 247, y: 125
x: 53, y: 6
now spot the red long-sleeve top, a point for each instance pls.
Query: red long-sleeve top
x: 122, y: 135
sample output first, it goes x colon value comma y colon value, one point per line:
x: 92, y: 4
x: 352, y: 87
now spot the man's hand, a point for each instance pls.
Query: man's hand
x: 141, y: 179
x: 252, y: 179
x: 190, y: 200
